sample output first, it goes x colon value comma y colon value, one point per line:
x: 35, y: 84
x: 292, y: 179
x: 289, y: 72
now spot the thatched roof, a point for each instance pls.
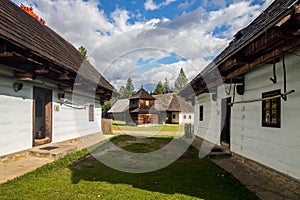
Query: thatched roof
x: 23, y: 34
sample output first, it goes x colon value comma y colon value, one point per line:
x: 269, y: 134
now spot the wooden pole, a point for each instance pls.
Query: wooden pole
x: 263, y: 99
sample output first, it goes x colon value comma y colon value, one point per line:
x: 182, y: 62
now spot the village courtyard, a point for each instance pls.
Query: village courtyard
x: 149, y: 99
x: 80, y: 175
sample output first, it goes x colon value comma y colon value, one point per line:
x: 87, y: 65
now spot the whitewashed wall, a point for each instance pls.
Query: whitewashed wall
x: 209, y: 127
x: 69, y: 123
x: 187, y: 120
x: 278, y: 148
x: 16, y: 115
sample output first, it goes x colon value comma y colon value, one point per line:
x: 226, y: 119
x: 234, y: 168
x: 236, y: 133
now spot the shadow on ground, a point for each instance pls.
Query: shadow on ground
x: 189, y: 175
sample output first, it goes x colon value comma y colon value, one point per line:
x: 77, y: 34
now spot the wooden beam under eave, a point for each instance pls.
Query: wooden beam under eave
x: 65, y: 88
x: 268, y: 57
x: 63, y: 76
x: 6, y: 54
x: 269, y: 39
x: 24, y: 76
x: 100, y: 90
x: 41, y: 70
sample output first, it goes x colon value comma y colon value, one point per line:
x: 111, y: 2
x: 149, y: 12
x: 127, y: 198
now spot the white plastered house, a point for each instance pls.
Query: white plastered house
x: 43, y: 96
x: 247, y: 99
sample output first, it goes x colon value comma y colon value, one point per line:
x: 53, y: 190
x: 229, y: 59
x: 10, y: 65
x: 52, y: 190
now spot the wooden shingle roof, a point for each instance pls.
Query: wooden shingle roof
x: 173, y: 103
x: 262, y: 41
x: 122, y: 105
x: 19, y: 29
x: 142, y: 94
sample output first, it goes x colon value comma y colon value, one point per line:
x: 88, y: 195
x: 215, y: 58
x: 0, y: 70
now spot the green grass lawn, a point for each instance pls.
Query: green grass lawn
x: 155, y: 128
x: 80, y: 176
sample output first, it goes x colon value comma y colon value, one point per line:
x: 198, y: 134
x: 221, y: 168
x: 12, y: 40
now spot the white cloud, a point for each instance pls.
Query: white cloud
x: 151, y: 5
x: 115, y: 46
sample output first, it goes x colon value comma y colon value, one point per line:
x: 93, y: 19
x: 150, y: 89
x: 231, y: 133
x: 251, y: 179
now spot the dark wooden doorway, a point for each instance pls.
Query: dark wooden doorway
x: 42, y: 116
x: 225, y: 118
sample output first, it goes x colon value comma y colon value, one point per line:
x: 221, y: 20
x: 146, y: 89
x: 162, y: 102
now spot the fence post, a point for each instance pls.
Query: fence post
x: 188, y: 130
x: 106, y: 126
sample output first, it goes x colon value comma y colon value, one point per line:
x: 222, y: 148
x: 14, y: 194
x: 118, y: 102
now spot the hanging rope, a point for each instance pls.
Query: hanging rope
x: 284, y: 97
x: 264, y: 99
x: 274, y: 79
x: 228, y: 93
x: 71, y: 104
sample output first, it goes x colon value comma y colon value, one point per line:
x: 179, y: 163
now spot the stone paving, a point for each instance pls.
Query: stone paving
x: 262, y: 186
x: 39, y: 156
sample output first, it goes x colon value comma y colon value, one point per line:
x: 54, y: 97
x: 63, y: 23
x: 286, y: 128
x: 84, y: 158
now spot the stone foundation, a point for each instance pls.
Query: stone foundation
x: 283, y: 180
x: 14, y: 156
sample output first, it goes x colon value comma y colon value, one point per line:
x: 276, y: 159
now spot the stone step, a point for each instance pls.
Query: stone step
x: 219, y: 153
x: 52, y: 151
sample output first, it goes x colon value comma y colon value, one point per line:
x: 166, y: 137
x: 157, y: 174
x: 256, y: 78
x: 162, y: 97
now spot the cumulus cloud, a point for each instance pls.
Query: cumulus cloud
x: 116, y: 46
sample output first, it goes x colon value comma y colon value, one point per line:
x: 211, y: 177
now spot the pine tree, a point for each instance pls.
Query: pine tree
x: 166, y: 86
x: 181, y: 81
x: 159, y: 89
x: 129, y: 89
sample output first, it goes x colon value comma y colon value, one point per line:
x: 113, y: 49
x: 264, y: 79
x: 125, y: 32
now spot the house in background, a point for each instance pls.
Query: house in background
x: 38, y: 73
x: 173, y: 109
x: 143, y: 108
x: 120, y: 110
x: 252, y: 108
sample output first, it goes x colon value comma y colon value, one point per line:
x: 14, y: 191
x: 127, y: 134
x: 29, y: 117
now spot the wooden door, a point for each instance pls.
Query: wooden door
x: 225, y: 121
x: 42, y: 115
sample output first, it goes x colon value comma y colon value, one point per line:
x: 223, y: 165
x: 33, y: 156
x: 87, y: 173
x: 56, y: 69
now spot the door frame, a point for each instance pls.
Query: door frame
x: 226, y: 119
x: 47, y: 115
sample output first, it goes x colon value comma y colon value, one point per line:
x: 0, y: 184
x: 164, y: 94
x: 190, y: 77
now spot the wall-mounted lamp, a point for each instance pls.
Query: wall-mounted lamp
x: 17, y: 86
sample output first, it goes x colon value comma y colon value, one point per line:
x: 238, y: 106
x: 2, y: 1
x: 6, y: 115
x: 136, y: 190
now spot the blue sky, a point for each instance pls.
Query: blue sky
x: 148, y: 40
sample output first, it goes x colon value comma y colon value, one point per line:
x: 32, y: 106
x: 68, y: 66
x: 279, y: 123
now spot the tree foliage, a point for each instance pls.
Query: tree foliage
x: 126, y: 91
x: 82, y: 50
x: 181, y: 81
x: 159, y: 89
x: 166, y: 86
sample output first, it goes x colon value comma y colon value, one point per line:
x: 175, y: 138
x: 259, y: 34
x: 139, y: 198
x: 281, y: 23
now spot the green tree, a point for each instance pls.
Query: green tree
x: 122, y: 92
x: 167, y: 88
x: 181, y: 81
x: 159, y: 89
x: 126, y: 91
x: 107, y: 105
x: 82, y: 50
x: 129, y: 88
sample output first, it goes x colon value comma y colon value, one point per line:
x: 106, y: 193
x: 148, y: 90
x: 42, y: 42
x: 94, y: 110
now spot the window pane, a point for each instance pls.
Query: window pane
x: 271, y: 109
x: 268, y: 117
x: 274, y: 103
x: 267, y: 104
x: 274, y: 116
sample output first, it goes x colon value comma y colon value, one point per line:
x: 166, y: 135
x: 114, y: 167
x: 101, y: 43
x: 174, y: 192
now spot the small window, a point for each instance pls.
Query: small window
x: 271, y: 110
x: 190, y: 117
x: 201, y: 113
x: 91, y: 113
x: 184, y: 116
x: 174, y: 116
